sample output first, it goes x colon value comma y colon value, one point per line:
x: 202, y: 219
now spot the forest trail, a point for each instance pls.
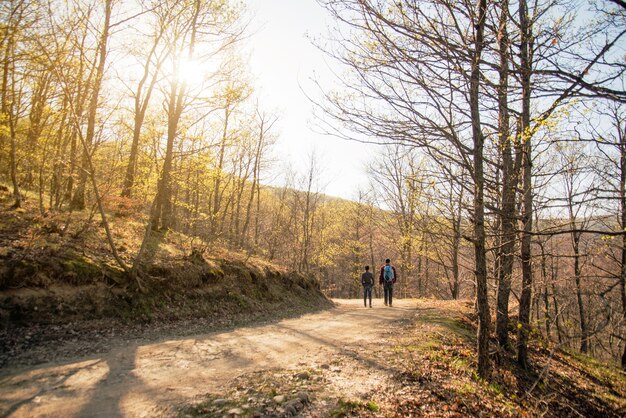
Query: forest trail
x: 330, y: 350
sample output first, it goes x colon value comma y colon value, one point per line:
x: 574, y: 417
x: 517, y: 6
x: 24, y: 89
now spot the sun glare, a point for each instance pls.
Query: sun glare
x: 191, y: 73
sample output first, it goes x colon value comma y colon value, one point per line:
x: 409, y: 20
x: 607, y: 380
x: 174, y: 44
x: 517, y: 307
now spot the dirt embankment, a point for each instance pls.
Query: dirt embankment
x: 59, y: 284
x: 187, y: 295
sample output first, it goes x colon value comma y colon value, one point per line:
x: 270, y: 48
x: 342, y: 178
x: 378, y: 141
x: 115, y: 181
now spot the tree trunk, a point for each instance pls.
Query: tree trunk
x: 555, y: 302
x: 36, y: 123
x: 257, y: 217
x: 217, y: 195
x: 255, y: 179
x: 622, y: 199
x: 546, y: 300
x: 77, y: 103
x: 456, y: 245
x: 527, y: 202
x: 59, y: 149
x: 163, y: 214
x: 484, y: 367
x: 129, y: 178
x: 509, y: 181
x: 161, y: 218
x: 584, y: 332
x: 7, y: 106
x: 78, y: 200
x: 141, y: 106
x: 17, y: 195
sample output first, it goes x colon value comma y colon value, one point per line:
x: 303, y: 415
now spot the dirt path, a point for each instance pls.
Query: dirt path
x: 326, y: 357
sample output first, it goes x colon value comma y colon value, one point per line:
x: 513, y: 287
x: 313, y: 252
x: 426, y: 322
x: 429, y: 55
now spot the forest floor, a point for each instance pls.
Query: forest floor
x: 415, y: 359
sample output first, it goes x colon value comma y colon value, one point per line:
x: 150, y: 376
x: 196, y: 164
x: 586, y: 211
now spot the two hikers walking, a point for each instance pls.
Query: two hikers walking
x: 387, y: 278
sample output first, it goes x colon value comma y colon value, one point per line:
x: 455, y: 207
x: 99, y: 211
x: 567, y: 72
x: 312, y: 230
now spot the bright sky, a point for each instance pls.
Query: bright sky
x: 282, y: 62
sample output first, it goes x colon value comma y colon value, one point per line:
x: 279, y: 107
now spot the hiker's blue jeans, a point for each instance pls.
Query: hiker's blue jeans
x: 388, y: 288
x: 367, y: 293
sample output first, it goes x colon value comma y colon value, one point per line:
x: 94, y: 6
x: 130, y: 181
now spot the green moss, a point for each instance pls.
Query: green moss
x: 345, y: 408
x: 80, y: 265
x: 372, y: 406
x: 461, y: 364
x: 466, y: 389
x: 496, y: 388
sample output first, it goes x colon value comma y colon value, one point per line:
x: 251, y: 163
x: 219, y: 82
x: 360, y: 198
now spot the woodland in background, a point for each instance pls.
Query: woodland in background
x: 514, y: 114
x: 504, y: 163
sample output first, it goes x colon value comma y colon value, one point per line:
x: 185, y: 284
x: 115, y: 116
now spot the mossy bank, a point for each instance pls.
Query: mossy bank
x: 188, y: 294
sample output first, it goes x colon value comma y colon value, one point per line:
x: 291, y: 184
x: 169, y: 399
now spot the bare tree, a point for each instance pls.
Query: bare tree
x: 15, y: 13
x: 152, y: 66
x: 412, y: 80
x: 78, y: 200
x: 265, y: 124
x: 204, y: 23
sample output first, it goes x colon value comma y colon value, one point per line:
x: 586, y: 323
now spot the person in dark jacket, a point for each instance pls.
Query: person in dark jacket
x: 388, y: 277
x: 367, y: 280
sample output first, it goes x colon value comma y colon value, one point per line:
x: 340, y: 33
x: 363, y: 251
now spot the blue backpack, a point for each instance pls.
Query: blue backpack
x: 388, y: 274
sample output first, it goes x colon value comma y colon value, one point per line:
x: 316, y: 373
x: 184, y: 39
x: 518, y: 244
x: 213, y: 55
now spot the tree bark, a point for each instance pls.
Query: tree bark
x: 509, y: 181
x: 484, y: 366
x: 622, y: 199
x: 255, y: 179
x: 161, y: 218
x: 456, y: 244
x: 217, y: 195
x: 584, y: 332
x: 527, y: 202
x: 546, y: 300
x: 7, y: 112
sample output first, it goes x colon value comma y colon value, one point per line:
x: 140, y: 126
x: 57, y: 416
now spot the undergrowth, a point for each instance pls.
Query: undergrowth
x: 438, y: 359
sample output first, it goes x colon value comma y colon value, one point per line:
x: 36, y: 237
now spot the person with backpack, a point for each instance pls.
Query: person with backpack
x: 367, y: 280
x: 388, y: 277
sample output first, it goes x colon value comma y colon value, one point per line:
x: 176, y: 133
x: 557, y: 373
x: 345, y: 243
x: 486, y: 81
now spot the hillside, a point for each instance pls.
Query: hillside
x: 59, y: 282
x: 63, y: 300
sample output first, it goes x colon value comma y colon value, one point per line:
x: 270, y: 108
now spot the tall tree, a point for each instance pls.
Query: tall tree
x: 509, y: 184
x: 152, y: 65
x: 14, y: 12
x: 526, y: 53
x: 265, y: 124
x: 415, y: 80
x: 200, y: 31
x: 78, y: 200
x: 482, y: 301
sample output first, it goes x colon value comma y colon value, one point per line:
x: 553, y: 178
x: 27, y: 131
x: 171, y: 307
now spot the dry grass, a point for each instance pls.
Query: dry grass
x: 438, y: 355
